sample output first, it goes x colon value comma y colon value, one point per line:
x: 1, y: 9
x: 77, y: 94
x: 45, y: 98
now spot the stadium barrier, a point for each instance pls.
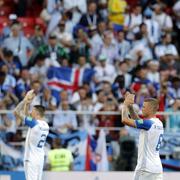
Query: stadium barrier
x: 165, y: 114
x: 5, y: 175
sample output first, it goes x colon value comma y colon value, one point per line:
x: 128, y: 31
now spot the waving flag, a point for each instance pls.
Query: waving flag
x: 101, y: 152
x: 68, y: 78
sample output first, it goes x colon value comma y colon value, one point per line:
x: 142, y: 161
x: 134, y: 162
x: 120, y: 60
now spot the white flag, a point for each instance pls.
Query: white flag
x: 101, y: 152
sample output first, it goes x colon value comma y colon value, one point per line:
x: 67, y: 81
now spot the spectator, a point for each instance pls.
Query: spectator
x: 122, y: 45
x: 7, y: 29
x: 96, y: 41
x: 36, y: 85
x: 86, y: 121
x: 77, y: 8
x: 165, y: 46
x: 175, y: 87
x: 153, y: 74
x: 60, y: 159
x: 7, y: 82
x: 123, y: 69
x: 91, y: 18
x: 64, y: 122
x: 64, y: 37
x: 153, y: 28
x: 102, y: 27
x: 23, y: 83
x: 109, y: 48
x: 20, y: 45
x: 38, y: 38
x: 104, y: 71
x: 101, y: 99
x: 141, y: 86
x: 13, y: 64
x: 53, y: 14
x: 53, y: 50
x: 83, y: 45
x: 176, y: 10
x: 116, y: 11
x: 132, y: 21
x: 163, y: 19
x: 47, y: 101
x: 174, y: 119
x: 40, y: 67
x: 4, y: 124
x: 82, y: 63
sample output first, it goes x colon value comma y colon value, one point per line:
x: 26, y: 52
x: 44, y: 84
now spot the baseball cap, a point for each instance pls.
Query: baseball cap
x: 102, y: 57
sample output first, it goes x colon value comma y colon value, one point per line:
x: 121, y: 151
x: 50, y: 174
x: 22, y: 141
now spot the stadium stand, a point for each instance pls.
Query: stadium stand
x: 79, y: 58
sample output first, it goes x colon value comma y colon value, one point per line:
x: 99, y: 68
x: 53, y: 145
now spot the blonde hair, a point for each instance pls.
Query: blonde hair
x: 154, y: 103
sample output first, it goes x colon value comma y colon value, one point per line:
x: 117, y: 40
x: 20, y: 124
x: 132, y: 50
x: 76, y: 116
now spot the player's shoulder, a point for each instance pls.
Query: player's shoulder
x: 157, y: 121
x: 43, y: 123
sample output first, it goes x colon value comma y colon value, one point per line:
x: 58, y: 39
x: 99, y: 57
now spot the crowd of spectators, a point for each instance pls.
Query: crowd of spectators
x: 131, y: 46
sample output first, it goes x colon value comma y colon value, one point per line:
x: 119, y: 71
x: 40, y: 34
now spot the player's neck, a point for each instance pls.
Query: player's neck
x: 39, y: 118
x: 150, y: 116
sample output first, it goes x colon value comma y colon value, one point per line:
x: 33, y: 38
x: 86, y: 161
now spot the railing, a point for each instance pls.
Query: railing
x: 166, y: 114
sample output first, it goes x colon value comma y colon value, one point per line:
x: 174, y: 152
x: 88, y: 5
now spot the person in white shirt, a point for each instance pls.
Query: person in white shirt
x: 104, y: 70
x: 95, y: 41
x: 153, y: 27
x: 76, y: 7
x: 109, y: 48
x: 40, y: 68
x: 166, y: 46
x: 149, y: 165
x: 64, y: 122
x: 123, y: 45
x: 163, y: 19
x: 153, y: 74
x: 64, y: 37
x: 132, y: 21
x: 36, y: 136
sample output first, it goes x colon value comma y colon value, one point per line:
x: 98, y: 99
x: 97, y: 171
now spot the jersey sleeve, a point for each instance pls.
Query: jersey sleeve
x: 143, y: 124
x: 30, y: 122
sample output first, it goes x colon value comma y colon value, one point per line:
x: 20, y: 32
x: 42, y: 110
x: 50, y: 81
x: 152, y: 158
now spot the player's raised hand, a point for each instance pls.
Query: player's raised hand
x: 129, y: 99
x: 29, y: 96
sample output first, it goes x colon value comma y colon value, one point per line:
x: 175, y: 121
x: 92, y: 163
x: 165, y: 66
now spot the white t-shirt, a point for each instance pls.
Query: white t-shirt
x: 153, y: 30
x: 163, y: 20
x: 107, y: 72
x: 35, y: 140
x: 150, y: 138
x: 161, y: 50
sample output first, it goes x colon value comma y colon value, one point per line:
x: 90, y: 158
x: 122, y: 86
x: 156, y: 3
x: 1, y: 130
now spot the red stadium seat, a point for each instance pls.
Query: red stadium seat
x: 5, y: 10
x: 27, y: 21
x: 28, y: 32
x: 4, y: 21
x: 40, y: 22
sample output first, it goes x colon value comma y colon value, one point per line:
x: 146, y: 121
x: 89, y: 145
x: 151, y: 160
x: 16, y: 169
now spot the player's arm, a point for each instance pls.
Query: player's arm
x: 125, y: 117
x: 18, y: 112
x: 22, y: 109
x: 132, y: 113
x: 137, y: 123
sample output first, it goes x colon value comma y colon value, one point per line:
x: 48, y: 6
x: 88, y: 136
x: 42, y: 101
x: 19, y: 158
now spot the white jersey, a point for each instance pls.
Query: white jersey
x: 35, y: 140
x: 151, y: 135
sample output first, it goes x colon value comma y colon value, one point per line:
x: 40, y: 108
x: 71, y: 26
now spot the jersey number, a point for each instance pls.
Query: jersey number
x: 159, y: 142
x: 42, y: 141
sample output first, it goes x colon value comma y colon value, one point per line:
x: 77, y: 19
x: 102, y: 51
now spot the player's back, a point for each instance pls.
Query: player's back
x: 149, y: 144
x: 35, y: 141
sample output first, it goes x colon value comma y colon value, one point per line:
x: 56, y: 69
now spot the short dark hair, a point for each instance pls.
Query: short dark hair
x: 154, y: 103
x: 7, y: 52
x: 40, y: 109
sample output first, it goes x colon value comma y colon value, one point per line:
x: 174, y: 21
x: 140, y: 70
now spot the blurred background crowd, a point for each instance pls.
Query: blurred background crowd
x: 130, y: 44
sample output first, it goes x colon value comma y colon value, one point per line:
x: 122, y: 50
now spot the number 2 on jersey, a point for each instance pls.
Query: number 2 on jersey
x: 159, y: 142
x: 42, y: 141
